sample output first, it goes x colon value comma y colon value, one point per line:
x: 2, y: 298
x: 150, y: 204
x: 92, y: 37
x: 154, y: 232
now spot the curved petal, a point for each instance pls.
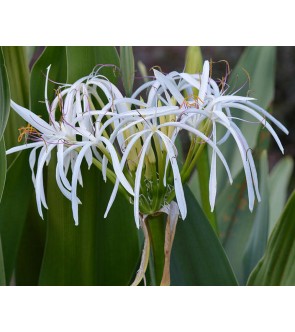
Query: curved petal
x: 32, y: 118
x: 24, y: 147
x: 138, y: 178
x: 176, y: 174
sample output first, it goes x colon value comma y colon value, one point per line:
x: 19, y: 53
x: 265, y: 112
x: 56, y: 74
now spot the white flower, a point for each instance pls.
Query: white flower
x: 73, y: 137
x: 152, y: 128
x: 47, y: 137
x: 218, y: 108
x: 211, y: 103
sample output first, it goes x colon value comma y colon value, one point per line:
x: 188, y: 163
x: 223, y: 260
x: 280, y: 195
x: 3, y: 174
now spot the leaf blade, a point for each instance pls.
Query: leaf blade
x: 127, y: 68
x: 4, y: 95
x: 277, y: 265
x: 198, y: 252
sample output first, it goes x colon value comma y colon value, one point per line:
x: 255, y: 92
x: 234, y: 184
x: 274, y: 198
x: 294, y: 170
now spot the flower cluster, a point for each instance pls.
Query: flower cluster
x: 133, y: 140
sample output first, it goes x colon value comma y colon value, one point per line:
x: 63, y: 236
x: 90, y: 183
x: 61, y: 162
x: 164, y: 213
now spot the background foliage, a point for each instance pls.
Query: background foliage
x: 221, y: 248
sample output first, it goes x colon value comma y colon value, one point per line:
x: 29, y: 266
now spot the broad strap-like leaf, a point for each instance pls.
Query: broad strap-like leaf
x: 2, y: 269
x: 13, y: 209
x: 127, y: 68
x: 2, y: 167
x: 18, y: 75
x: 193, y: 60
x: 96, y: 252
x: 197, y: 255
x: 88, y: 58
x: 278, y: 183
x: 32, y: 242
x: 277, y: 265
x: 236, y: 221
x: 4, y: 95
x: 18, y: 187
x: 258, y: 238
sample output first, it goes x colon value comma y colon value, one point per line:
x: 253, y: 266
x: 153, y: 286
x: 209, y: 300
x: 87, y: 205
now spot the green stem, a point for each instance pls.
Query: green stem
x: 156, y: 226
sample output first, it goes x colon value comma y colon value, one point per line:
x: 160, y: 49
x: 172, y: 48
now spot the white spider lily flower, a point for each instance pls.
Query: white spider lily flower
x: 153, y: 129
x: 47, y: 137
x: 212, y: 103
x: 218, y: 108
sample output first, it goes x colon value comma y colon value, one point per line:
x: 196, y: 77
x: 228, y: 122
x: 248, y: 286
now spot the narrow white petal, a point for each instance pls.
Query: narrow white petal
x: 46, y: 88
x: 32, y: 161
x: 40, y: 197
x: 261, y: 119
x: 170, y: 85
x: 243, y: 154
x: 60, y: 166
x: 191, y: 80
x: 65, y: 192
x: 269, y: 116
x: 250, y: 161
x: 213, y: 178
x: 204, y: 82
x: 176, y: 174
x: 75, y: 177
x: 222, y: 117
x: 24, y: 147
x: 203, y: 137
x: 32, y: 118
x: 88, y: 157
x: 122, y: 164
x: 116, y: 166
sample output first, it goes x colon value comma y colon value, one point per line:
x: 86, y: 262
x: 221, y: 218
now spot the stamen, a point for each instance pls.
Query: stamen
x: 28, y: 132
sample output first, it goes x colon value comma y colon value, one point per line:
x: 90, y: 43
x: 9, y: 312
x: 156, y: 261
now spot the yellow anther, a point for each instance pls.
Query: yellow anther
x: 26, y: 131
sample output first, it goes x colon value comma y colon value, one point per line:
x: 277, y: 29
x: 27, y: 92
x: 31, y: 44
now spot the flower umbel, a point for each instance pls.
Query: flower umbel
x: 135, y: 141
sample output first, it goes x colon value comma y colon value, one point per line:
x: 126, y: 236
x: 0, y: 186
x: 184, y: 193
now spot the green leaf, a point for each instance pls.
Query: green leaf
x: 30, y: 50
x: 234, y: 217
x: 278, y: 183
x: 235, y: 222
x: 2, y: 167
x: 13, y: 209
x: 2, y: 270
x: 127, y: 68
x: 156, y: 227
x: 193, y: 60
x: 87, y: 58
x: 277, y: 265
x: 197, y: 255
x: 259, y: 62
x: 31, y: 248
x: 32, y: 241
x: 4, y: 95
x: 258, y: 238
x: 99, y: 251
x: 18, y: 187
x: 18, y: 75
x: 56, y: 57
